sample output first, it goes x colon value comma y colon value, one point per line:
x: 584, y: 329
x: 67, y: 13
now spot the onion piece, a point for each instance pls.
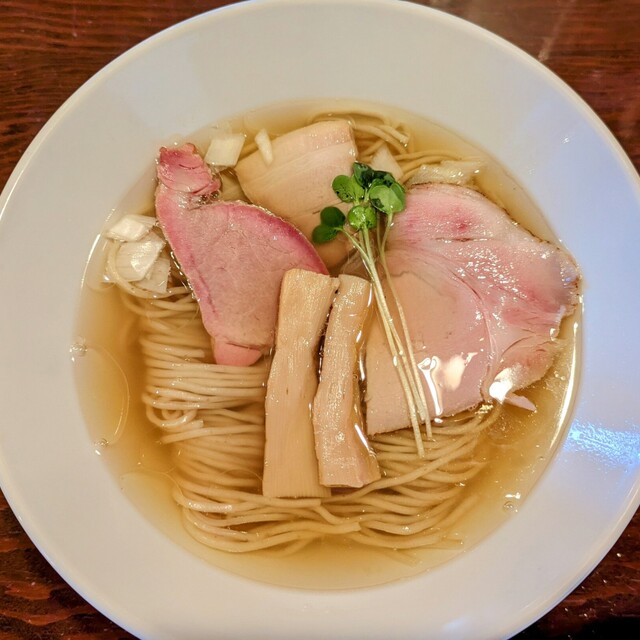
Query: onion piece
x: 131, y: 227
x: 449, y: 171
x: 135, y: 259
x: 157, y: 279
x: 224, y: 149
x: 264, y: 146
x: 383, y: 161
x: 520, y: 401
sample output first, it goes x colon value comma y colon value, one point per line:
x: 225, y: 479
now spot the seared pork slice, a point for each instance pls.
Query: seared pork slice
x: 296, y: 185
x: 233, y: 254
x: 483, y: 298
x: 453, y: 362
x: 290, y: 465
x: 345, y: 458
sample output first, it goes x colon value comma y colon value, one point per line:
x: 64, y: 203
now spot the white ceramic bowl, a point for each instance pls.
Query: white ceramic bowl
x: 222, y: 63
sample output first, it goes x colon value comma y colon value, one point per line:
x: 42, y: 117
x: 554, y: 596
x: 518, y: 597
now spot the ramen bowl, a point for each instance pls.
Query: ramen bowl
x: 85, y: 162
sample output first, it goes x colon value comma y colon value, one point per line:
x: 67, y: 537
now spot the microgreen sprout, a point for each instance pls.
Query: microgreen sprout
x: 375, y: 198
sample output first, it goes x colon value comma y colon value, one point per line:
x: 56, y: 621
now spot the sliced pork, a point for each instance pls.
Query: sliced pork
x: 345, y: 458
x: 290, y: 465
x: 296, y: 184
x: 483, y: 299
x: 234, y: 255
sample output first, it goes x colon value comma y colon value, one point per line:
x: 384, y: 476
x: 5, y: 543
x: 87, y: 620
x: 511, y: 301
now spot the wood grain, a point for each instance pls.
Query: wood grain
x: 49, y: 48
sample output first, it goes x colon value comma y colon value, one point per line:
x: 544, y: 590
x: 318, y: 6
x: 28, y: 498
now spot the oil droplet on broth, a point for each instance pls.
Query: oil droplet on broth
x: 78, y: 349
x: 110, y: 377
x: 104, y: 385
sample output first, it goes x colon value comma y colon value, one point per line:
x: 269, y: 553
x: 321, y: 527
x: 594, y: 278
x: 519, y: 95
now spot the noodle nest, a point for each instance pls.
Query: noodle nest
x: 212, y: 418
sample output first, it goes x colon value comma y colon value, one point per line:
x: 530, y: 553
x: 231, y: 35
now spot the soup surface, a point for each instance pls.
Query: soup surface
x: 110, y: 373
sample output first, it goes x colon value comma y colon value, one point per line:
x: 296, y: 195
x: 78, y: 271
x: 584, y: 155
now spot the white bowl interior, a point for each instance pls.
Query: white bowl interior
x: 88, y: 157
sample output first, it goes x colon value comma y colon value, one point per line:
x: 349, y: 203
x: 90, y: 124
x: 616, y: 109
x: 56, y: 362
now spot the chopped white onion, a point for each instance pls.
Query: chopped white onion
x: 224, y: 149
x: 383, y: 161
x: 520, y: 401
x: 264, y: 146
x: 135, y: 259
x: 131, y: 227
x: 449, y: 171
x: 157, y: 279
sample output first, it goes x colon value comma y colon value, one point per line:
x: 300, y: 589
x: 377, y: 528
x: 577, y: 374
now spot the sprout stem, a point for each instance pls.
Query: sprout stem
x: 372, y: 194
x: 423, y: 407
x: 415, y: 403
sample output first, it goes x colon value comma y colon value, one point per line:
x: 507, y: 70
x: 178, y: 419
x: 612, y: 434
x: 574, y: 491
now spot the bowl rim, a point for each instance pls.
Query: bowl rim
x: 111, y: 608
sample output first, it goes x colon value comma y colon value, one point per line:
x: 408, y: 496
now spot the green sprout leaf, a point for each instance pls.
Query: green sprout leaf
x: 347, y: 189
x: 363, y: 174
x: 367, y: 177
x: 324, y: 233
x: 388, y: 199
x: 401, y: 194
x: 371, y: 192
x: 362, y: 217
x: 332, y: 217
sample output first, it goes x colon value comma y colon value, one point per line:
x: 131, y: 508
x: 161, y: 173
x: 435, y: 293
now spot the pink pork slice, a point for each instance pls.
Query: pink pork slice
x: 234, y: 255
x: 483, y: 299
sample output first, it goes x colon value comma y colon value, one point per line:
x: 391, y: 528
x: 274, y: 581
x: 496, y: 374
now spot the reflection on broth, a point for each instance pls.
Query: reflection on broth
x: 176, y: 430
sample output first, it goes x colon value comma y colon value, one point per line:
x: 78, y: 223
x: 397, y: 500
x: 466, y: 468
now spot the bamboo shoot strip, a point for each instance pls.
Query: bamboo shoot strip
x: 290, y: 465
x: 345, y: 458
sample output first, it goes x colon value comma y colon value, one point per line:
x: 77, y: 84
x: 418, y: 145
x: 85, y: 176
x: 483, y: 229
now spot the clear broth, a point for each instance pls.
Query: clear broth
x: 109, y: 373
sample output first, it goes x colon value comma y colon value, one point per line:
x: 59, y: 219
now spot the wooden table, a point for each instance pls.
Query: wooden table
x: 48, y: 48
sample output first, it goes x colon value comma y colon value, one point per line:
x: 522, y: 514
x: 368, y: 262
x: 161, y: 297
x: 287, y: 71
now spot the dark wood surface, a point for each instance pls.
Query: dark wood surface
x: 48, y: 48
